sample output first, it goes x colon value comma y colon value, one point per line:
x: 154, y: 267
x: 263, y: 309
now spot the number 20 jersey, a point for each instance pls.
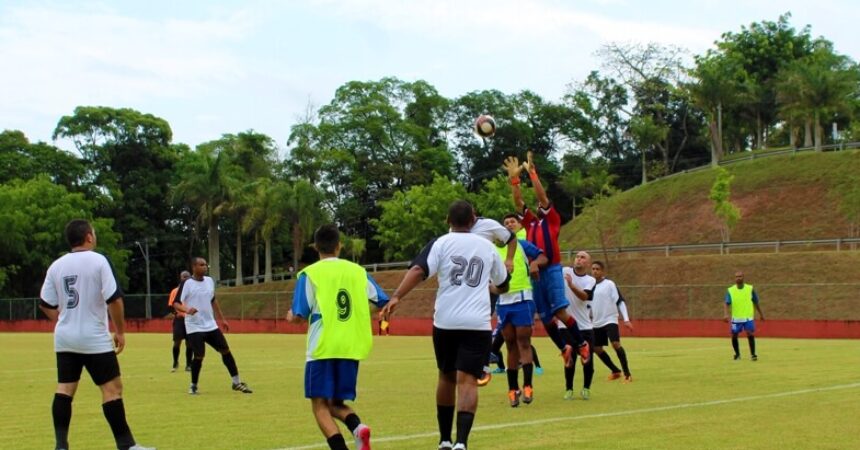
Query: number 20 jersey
x: 465, y: 264
x: 80, y: 285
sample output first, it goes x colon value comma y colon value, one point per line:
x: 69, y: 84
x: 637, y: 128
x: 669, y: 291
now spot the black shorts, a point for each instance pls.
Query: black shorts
x: 588, y: 335
x: 606, y: 334
x: 463, y: 350
x: 102, y: 367
x: 198, y: 341
x: 178, y: 328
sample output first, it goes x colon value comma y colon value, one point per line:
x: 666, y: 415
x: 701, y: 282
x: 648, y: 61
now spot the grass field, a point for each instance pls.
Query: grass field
x: 687, y: 393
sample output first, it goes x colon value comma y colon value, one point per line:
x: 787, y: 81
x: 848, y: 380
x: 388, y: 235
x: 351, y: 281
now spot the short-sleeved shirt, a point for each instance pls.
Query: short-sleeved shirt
x: 544, y: 232
x: 80, y: 285
x: 605, y: 298
x: 305, y: 305
x: 198, y: 294
x: 580, y: 310
x: 492, y: 231
x: 465, y: 264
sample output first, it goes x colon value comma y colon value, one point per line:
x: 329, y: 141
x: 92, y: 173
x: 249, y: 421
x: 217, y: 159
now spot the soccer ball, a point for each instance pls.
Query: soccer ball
x: 485, y: 126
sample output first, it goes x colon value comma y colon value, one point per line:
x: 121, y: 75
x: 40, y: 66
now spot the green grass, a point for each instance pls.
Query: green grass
x: 687, y: 393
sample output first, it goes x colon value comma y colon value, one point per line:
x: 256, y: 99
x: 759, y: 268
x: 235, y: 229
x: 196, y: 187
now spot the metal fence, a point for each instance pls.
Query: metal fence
x: 815, y: 301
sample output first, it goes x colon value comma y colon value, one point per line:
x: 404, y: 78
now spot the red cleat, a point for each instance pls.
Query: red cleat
x: 614, y: 376
x: 567, y: 355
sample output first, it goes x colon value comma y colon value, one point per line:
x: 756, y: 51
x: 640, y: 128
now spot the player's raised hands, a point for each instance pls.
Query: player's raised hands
x: 512, y: 165
x: 529, y: 164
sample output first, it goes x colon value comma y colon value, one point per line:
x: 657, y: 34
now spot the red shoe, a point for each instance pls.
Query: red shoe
x: 614, y: 376
x: 585, y: 352
x: 362, y: 437
x: 567, y: 355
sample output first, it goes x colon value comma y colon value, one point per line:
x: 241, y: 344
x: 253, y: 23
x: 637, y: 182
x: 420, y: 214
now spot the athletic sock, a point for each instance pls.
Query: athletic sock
x: 196, y: 365
x: 608, y: 361
x: 527, y: 374
x: 230, y: 363
x: 445, y: 418
x: 336, y: 442
x: 735, y: 345
x: 588, y: 373
x: 175, y: 355
x: 352, y: 422
x: 535, y: 359
x: 188, y: 355
x: 622, y: 356
x: 751, y: 340
x: 61, y: 409
x: 114, y: 412
x: 513, y: 379
x: 554, y: 333
x: 464, y: 426
x: 568, y: 376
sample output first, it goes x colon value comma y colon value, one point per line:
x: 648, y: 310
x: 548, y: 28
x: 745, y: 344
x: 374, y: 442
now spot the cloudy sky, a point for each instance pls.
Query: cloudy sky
x: 214, y: 67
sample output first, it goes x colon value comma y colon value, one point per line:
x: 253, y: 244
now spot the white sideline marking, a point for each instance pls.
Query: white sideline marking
x: 409, y: 437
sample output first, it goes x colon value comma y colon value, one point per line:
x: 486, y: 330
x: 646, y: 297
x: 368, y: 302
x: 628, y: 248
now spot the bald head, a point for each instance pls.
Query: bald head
x: 581, y: 262
x: 739, y: 278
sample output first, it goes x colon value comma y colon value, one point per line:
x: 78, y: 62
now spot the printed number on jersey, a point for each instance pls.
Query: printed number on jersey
x: 469, y: 271
x: 72, y: 297
x: 344, y: 305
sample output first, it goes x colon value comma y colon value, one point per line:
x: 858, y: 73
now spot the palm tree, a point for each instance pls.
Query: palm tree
x: 303, y: 213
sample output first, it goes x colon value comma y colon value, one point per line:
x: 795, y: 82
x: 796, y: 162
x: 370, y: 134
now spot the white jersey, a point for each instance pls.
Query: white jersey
x: 492, y: 231
x: 80, y: 285
x: 580, y: 310
x: 605, y: 299
x: 198, y: 295
x: 465, y: 264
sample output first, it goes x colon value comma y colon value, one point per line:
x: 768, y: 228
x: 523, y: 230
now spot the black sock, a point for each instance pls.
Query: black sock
x: 445, y: 417
x: 230, y: 363
x: 513, y: 379
x: 352, y: 422
x: 535, y: 359
x: 622, y: 356
x: 500, y: 360
x: 588, y: 373
x: 498, y: 341
x: 336, y: 442
x: 188, y: 355
x: 568, y: 376
x: 555, y: 334
x: 751, y: 340
x: 608, y: 361
x: 114, y: 412
x: 464, y: 426
x: 175, y: 355
x: 527, y: 374
x: 735, y: 345
x: 196, y: 365
x: 61, y: 409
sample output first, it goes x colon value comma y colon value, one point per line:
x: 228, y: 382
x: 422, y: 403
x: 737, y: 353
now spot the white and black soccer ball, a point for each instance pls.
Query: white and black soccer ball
x: 485, y: 126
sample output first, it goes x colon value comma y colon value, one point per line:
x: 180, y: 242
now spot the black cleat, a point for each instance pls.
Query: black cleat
x: 242, y: 387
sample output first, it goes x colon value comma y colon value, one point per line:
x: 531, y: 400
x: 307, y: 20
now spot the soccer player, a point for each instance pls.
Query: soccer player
x: 196, y: 298
x: 742, y: 298
x: 179, y: 327
x: 578, y: 283
x: 542, y: 230
x: 606, y: 302
x: 333, y: 294
x: 465, y: 265
x: 79, y: 290
x: 516, y: 318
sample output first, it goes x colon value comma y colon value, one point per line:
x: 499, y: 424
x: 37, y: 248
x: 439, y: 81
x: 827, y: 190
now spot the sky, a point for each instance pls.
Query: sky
x: 216, y: 67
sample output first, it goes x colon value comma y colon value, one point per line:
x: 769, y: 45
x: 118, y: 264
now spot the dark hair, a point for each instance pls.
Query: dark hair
x: 326, y: 238
x: 460, y: 214
x: 77, y: 231
x: 511, y: 216
x: 598, y: 263
x: 193, y: 261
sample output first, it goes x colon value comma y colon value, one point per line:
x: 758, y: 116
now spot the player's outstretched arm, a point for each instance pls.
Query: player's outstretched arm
x: 540, y: 193
x: 413, y: 277
x: 512, y: 166
x: 117, y: 316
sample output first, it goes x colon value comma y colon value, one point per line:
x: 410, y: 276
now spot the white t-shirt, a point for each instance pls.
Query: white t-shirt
x: 580, y: 310
x: 605, y: 299
x: 80, y: 285
x: 198, y: 295
x: 492, y: 231
x: 465, y: 264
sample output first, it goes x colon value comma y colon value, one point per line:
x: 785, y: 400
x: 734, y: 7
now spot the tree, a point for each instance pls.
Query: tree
x: 24, y: 160
x: 718, y: 81
x: 727, y: 213
x: 494, y: 199
x: 303, y: 213
x: 354, y: 247
x: 605, y: 217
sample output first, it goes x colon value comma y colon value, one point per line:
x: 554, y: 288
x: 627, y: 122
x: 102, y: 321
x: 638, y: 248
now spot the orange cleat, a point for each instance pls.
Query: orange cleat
x: 485, y: 380
x: 528, y: 394
x: 614, y: 376
x: 514, y: 397
x: 628, y: 379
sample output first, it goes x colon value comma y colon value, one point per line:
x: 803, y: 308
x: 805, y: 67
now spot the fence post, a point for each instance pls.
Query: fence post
x: 838, y: 244
x: 777, y: 246
x: 242, y: 308
x: 689, y: 305
x: 277, y: 310
x: 35, y: 308
x: 667, y: 250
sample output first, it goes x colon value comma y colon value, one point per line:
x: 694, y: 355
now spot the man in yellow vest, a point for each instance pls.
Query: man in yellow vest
x: 332, y: 295
x: 744, y: 302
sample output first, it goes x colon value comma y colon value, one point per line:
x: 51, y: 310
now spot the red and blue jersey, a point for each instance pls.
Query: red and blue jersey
x: 543, y: 232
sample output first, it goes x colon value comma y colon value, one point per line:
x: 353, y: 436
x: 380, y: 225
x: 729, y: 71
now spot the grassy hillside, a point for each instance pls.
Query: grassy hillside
x: 784, y: 197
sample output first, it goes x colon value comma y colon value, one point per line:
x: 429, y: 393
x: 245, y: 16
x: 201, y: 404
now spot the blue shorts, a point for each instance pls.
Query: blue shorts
x: 748, y: 326
x: 549, y: 292
x: 519, y: 314
x: 332, y: 379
